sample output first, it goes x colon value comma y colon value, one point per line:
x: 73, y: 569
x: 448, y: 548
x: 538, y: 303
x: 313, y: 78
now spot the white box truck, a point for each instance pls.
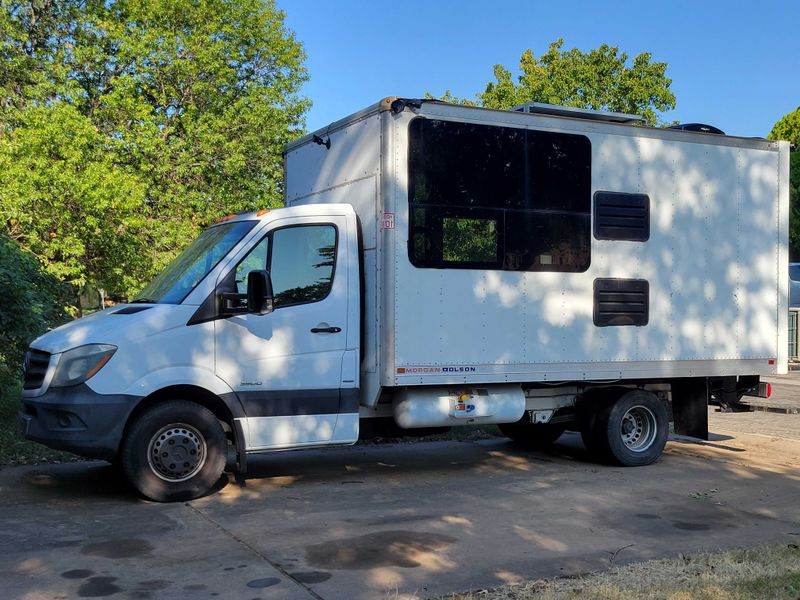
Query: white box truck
x: 543, y: 269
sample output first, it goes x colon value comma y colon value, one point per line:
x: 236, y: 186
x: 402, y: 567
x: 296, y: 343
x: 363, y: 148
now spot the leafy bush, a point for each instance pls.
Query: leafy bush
x: 32, y: 302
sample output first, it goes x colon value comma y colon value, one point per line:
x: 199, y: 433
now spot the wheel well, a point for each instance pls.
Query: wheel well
x: 192, y: 393
x: 593, y: 396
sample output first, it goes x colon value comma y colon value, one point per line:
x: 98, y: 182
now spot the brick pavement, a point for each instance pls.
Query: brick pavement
x: 759, y: 422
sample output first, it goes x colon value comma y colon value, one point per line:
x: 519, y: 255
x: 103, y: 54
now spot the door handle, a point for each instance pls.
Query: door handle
x: 326, y: 329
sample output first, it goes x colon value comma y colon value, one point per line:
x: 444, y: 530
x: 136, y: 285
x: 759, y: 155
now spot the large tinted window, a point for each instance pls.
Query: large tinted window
x: 498, y: 198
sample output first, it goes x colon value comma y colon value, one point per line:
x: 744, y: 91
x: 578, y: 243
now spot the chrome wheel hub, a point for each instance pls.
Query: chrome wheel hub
x: 638, y: 428
x: 176, y: 452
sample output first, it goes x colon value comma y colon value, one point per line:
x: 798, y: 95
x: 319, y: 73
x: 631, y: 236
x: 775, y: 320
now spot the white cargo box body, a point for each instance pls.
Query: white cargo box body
x: 715, y: 262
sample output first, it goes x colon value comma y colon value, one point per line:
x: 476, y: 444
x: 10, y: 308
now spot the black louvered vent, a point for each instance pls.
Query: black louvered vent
x: 621, y: 302
x: 131, y: 310
x: 619, y: 216
x: 35, y: 369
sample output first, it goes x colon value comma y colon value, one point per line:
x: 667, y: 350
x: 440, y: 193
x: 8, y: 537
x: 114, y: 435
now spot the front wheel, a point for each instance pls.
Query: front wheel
x: 174, y: 451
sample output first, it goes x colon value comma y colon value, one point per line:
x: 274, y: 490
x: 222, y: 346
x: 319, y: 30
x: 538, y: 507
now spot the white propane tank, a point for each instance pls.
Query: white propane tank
x: 458, y: 405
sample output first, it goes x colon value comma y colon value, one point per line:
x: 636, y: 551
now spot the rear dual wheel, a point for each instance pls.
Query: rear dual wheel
x: 175, y: 451
x: 631, y: 430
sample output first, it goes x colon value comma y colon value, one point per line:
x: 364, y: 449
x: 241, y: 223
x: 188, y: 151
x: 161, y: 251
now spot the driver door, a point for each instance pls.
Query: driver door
x: 286, y: 366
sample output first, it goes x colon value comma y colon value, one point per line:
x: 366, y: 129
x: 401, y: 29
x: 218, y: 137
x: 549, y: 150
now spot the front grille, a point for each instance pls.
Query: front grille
x: 35, y: 368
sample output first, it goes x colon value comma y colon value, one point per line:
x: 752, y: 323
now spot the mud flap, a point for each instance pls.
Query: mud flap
x: 690, y: 406
x: 241, y: 453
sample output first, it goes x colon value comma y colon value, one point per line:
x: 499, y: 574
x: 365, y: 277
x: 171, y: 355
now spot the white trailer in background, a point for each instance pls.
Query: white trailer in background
x: 543, y: 269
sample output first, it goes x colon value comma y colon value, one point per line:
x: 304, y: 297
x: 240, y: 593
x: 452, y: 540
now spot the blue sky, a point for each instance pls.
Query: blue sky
x: 734, y: 64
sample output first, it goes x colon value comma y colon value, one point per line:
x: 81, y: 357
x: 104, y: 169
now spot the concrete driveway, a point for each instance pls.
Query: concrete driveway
x: 396, y: 520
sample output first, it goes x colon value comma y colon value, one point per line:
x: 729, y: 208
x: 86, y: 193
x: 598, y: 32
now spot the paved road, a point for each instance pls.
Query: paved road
x: 785, y: 396
x: 397, y: 520
x: 759, y: 422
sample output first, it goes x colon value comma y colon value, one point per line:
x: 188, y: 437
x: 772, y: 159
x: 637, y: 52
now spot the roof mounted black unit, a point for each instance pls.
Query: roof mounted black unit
x: 400, y: 104
x: 698, y: 127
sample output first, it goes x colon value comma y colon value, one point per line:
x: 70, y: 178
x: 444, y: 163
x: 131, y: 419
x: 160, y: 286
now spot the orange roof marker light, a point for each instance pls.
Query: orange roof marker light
x: 225, y: 218
x: 262, y: 212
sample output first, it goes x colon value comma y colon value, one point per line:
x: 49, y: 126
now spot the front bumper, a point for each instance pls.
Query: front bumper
x: 77, y: 419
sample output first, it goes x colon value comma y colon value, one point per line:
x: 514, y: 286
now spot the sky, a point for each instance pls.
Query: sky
x: 733, y: 64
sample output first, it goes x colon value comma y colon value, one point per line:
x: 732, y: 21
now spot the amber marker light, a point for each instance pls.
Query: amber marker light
x: 98, y: 366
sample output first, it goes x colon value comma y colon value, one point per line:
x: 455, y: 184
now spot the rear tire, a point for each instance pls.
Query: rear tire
x: 174, y: 452
x: 631, y: 431
x: 532, y: 435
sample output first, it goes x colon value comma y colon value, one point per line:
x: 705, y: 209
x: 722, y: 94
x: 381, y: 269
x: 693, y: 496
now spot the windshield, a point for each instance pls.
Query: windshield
x: 794, y: 271
x: 189, y: 268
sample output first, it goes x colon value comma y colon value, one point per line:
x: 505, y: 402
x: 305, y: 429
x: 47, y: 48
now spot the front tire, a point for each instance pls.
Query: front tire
x: 174, y: 451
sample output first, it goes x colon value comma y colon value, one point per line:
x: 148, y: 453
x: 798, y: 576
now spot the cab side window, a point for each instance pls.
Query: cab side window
x: 301, y: 262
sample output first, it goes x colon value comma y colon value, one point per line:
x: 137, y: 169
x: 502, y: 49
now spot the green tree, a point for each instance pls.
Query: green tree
x: 788, y: 128
x: 70, y: 201
x: 794, y: 204
x: 601, y: 79
x: 128, y: 125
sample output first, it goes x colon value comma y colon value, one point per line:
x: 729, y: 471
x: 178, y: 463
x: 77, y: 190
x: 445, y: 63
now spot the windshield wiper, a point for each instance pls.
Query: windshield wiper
x: 143, y: 301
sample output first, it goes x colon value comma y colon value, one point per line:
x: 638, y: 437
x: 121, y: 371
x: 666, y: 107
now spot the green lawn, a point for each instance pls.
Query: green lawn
x: 754, y: 573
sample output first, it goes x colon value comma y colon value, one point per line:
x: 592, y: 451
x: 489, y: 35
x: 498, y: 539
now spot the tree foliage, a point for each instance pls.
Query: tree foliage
x: 788, y: 128
x: 601, y: 79
x: 127, y: 125
x: 32, y: 302
x: 794, y: 204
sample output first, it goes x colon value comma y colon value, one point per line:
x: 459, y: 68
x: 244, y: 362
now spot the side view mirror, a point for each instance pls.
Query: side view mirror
x: 259, y: 292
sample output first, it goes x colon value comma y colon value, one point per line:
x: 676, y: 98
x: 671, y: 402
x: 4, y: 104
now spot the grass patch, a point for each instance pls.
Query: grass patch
x: 14, y: 449
x: 749, y: 574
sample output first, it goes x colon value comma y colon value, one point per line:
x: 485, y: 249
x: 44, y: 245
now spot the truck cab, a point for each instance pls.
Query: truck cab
x: 251, y: 334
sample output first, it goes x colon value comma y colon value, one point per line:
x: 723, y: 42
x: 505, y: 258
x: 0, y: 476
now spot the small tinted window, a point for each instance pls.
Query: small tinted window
x: 469, y: 240
x: 493, y: 197
x: 794, y: 272
x: 255, y: 261
x: 301, y: 263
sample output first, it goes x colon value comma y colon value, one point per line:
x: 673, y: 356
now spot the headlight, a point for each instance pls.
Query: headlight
x: 79, y: 364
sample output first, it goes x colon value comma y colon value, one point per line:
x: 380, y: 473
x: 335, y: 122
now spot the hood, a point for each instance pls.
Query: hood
x: 119, y: 325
